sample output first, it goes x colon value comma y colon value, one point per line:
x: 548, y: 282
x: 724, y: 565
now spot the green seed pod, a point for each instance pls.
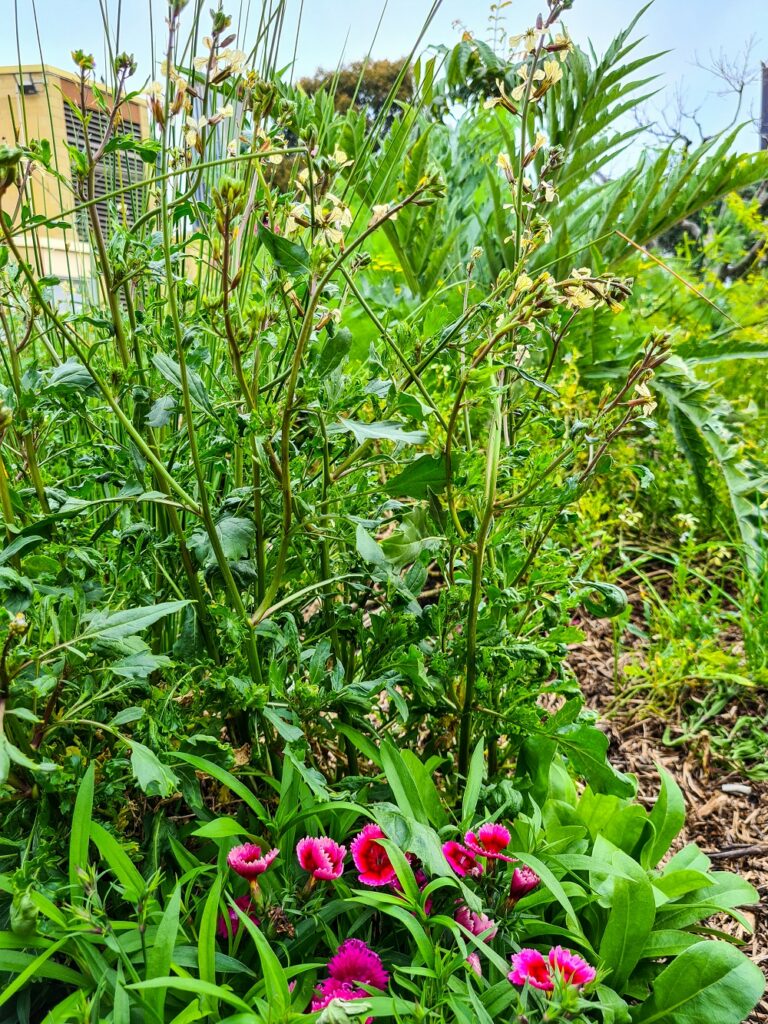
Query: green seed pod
x: 10, y: 157
x: 23, y: 915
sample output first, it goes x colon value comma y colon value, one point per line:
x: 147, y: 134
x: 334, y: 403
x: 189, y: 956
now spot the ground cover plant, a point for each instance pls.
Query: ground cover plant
x: 290, y: 565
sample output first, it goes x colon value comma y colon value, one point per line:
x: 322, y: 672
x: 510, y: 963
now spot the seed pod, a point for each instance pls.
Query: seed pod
x: 23, y: 916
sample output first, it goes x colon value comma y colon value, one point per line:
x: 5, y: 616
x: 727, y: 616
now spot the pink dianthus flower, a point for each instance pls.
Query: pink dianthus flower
x: 530, y: 966
x: 321, y: 857
x: 489, y: 841
x: 572, y: 968
x: 247, y: 860
x: 524, y: 880
x: 357, y: 964
x: 370, y: 857
x: 462, y: 860
x: 476, y: 923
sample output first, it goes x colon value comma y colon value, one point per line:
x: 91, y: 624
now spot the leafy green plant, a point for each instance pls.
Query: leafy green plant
x: 287, y: 549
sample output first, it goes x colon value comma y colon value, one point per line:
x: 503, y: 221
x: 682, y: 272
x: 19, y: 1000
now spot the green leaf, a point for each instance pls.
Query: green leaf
x: 711, y: 981
x: 120, y: 864
x: 368, y: 548
x: 402, y: 783
x: 275, y: 981
x: 473, y: 784
x: 193, y: 986
x: 160, y: 953
x: 426, y: 473
x: 80, y: 834
x: 18, y: 545
x: 612, y: 602
x: 161, y: 412
x: 154, y: 777
x: 587, y: 750
x: 382, y: 430
x: 221, y: 775
x: 171, y: 370
x: 629, y: 924
x: 334, y: 352
x: 69, y: 378
x: 289, y: 256
x: 235, y: 535
x: 206, y: 943
x: 119, y: 625
x: 32, y: 970
x: 667, y: 819
x: 220, y: 828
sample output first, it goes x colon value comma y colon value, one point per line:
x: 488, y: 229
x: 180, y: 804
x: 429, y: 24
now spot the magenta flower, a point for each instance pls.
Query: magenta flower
x: 489, y: 841
x: 572, y: 968
x: 370, y: 857
x: 530, y: 966
x: 462, y: 860
x: 248, y: 861
x: 321, y: 857
x: 331, y: 989
x: 524, y: 880
x: 476, y: 923
x: 357, y: 964
x: 245, y: 904
x: 474, y: 964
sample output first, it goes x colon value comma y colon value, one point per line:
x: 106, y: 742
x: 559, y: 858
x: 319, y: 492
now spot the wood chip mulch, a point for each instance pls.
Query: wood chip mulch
x: 727, y: 812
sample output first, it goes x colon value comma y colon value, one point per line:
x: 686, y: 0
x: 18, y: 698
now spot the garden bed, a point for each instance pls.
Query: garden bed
x: 730, y: 824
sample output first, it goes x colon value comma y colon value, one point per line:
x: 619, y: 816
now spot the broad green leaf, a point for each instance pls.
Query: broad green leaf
x: 711, y: 981
x: 154, y: 777
x: 69, y: 378
x: 220, y: 828
x: 118, y: 625
x: 368, y: 549
x: 289, y: 256
x: 629, y: 924
x: 384, y: 430
x: 171, y: 370
x: 587, y: 750
x: 426, y: 473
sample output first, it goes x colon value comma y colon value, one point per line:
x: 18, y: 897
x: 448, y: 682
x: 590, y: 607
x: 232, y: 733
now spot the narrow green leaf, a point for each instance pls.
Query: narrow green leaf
x: 80, y: 834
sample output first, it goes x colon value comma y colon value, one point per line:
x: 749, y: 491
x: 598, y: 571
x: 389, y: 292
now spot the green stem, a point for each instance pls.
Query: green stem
x: 478, y: 557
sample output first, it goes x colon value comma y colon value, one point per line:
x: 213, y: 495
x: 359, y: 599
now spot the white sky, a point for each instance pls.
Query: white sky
x: 694, y: 30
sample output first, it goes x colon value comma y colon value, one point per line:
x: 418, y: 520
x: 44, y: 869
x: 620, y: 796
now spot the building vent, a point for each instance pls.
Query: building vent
x: 115, y: 171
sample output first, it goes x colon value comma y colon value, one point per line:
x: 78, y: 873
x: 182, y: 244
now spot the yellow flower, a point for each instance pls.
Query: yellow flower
x: 648, y: 407
x: 505, y: 164
x: 553, y: 72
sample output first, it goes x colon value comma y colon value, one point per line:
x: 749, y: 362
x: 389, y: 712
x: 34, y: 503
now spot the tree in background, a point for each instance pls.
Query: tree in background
x: 366, y: 85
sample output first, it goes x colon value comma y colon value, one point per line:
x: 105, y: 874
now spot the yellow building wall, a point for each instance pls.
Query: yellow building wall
x: 40, y: 115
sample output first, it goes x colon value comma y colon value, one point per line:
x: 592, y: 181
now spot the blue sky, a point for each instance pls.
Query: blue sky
x: 694, y: 30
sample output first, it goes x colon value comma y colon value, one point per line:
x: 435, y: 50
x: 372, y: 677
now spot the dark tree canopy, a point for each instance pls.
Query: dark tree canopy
x: 366, y: 85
